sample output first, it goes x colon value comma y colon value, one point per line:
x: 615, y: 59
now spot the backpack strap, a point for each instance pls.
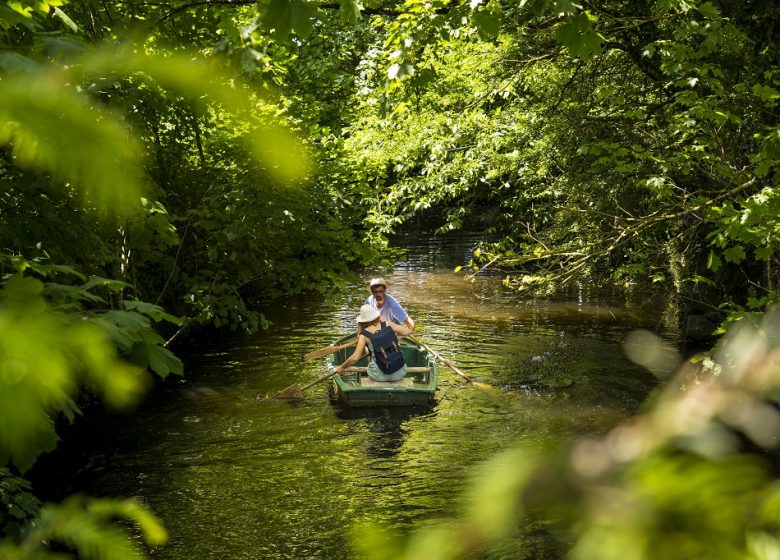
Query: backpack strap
x: 379, y: 335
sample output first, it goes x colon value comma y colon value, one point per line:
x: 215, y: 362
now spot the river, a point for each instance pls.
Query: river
x: 234, y: 475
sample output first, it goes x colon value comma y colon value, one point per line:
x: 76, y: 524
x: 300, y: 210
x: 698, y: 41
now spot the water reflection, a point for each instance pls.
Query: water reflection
x: 385, y: 426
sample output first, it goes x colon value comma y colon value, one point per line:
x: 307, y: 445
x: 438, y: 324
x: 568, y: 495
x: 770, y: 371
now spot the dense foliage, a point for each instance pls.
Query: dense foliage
x: 166, y: 165
x: 631, y: 141
x: 135, y: 173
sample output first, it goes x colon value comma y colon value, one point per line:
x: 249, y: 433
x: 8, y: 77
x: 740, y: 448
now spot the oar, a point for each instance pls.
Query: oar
x: 296, y: 392
x: 452, y: 366
x: 327, y: 350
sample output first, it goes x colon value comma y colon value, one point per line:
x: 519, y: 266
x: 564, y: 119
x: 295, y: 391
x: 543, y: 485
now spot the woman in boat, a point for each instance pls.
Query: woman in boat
x: 390, y: 310
x: 381, y: 337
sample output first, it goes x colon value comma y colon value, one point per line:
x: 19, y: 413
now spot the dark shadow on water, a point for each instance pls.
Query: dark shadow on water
x: 386, y: 426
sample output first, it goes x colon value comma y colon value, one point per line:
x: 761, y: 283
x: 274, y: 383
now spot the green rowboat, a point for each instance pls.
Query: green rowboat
x: 355, y: 388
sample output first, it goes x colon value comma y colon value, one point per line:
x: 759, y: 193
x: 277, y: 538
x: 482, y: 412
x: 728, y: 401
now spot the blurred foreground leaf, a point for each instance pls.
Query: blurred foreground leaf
x: 53, y: 125
x: 87, y: 526
x: 45, y: 356
x: 46, y: 122
x: 266, y: 134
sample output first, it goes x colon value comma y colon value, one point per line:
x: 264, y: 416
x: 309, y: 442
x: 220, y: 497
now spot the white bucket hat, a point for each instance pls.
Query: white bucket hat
x: 367, y: 314
x: 376, y: 282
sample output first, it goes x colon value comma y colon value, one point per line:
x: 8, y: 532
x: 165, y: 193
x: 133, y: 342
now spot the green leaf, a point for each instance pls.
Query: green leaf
x: 20, y: 8
x: 23, y: 292
x: 683, y: 6
x: 735, y: 254
x: 398, y: 71
x: 579, y: 37
x: 15, y: 63
x: 763, y: 253
x: 766, y: 93
x: 756, y: 303
x: 64, y: 293
x: 713, y: 262
x: 487, y: 22
x: 349, y: 10
x: 287, y: 16
x: 88, y: 527
x: 63, y: 47
x: 156, y: 312
x: 112, y: 285
x: 128, y: 320
x: 564, y: 7
x: 424, y: 77
x: 62, y: 16
x: 46, y: 132
x: 153, y: 531
x: 43, y: 357
x: 163, y: 362
x: 266, y: 133
x: 122, y: 338
x: 702, y: 280
x: 708, y: 10
x: 46, y: 269
x: 10, y: 18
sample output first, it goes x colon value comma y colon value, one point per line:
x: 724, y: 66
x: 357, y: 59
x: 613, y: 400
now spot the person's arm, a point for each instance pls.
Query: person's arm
x: 400, y: 313
x: 400, y: 330
x: 356, y: 355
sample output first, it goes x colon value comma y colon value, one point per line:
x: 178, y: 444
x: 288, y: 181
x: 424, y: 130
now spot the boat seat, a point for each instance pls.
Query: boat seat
x: 368, y: 382
x: 409, y: 369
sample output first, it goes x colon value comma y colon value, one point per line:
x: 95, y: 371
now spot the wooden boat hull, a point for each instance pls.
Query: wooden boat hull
x: 356, y: 389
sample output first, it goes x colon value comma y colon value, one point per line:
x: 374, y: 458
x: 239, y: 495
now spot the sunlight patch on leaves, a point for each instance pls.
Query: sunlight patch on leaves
x: 267, y: 135
x: 45, y: 130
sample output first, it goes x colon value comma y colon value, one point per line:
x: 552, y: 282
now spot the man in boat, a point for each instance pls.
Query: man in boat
x: 386, y: 359
x: 390, y: 311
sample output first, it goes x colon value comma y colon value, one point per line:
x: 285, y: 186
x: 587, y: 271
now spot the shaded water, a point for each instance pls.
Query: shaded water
x: 234, y: 476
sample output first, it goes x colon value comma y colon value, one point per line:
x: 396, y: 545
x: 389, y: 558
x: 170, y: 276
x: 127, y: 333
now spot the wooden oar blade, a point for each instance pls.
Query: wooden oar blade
x: 319, y: 353
x: 485, y: 386
x: 292, y: 392
x: 326, y: 351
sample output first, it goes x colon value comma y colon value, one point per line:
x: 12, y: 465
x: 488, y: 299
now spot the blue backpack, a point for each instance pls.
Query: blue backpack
x: 387, y: 354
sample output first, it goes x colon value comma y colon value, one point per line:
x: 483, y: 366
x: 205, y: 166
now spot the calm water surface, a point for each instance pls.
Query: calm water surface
x: 234, y: 476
